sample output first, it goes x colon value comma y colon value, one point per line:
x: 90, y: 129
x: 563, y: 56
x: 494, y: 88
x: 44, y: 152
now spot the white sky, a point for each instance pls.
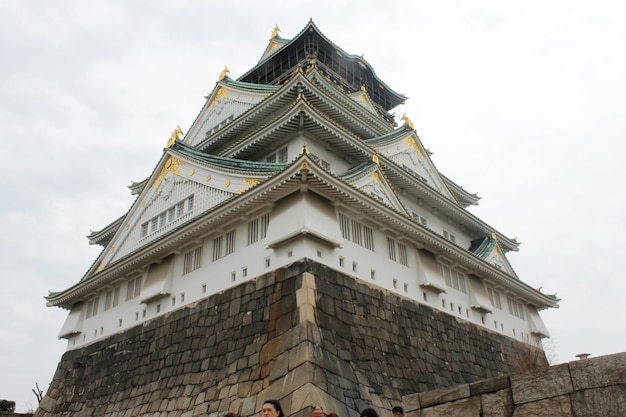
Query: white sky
x: 521, y: 102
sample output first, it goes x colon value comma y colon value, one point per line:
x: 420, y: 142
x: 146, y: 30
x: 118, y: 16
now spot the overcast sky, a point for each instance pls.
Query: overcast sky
x: 521, y: 102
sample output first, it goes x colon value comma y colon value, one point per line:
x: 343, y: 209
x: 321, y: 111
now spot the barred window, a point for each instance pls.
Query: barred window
x: 167, y: 216
x: 92, y: 307
x: 391, y: 247
x: 515, y: 308
x: 494, y: 297
x: 257, y: 228
x: 344, y: 223
x: 133, y: 288
x: 192, y: 260
x: 112, y: 298
x: 453, y: 278
x: 402, y: 254
x: 368, y: 235
x: 230, y: 242
x: 217, y: 248
x: 357, y: 236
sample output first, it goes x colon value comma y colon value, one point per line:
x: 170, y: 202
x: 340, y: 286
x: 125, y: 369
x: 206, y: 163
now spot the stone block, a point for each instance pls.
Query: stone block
x: 489, y: 385
x: 467, y: 407
x: 541, y: 383
x: 443, y: 395
x: 411, y: 402
x: 600, y: 402
x: 598, y: 372
x: 497, y: 404
x: 553, y: 407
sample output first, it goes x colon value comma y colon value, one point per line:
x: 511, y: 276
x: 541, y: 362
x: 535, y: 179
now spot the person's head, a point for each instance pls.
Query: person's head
x: 369, y: 412
x: 272, y: 408
x: 397, y: 411
x: 231, y: 414
x: 317, y: 411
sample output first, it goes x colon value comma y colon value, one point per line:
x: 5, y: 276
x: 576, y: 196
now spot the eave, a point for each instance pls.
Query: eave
x: 302, y: 174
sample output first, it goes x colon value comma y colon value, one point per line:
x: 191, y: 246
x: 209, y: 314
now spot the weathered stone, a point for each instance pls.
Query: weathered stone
x: 554, y: 407
x: 598, y: 372
x: 442, y: 395
x: 600, y: 402
x: 497, y: 404
x: 541, y: 383
x: 366, y: 347
x: 489, y: 385
x: 468, y: 407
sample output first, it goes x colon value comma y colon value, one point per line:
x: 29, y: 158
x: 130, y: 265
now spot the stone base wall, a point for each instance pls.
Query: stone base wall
x: 305, y: 335
x: 593, y: 387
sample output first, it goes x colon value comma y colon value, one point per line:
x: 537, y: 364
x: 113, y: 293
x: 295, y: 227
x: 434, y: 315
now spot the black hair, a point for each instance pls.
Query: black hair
x: 369, y: 412
x: 397, y: 409
x: 277, y: 407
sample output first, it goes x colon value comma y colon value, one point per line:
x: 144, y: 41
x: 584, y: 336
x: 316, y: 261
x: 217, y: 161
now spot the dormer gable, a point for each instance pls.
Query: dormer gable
x: 404, y: 148
x: 185, y: 184
x: 368, y: 178
x: 489, y: 250
x: 228, y: 100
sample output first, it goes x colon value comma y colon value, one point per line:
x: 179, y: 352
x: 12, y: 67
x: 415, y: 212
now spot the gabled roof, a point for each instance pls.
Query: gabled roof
x: 350, y: 71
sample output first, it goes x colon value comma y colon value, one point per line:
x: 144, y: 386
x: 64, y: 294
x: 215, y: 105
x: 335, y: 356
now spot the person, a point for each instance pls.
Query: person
x: 397, y: 411
x: 369, y: 412
x: 231, y: 414
x: 272, y: 408
x: 317, y: 411
x: 333, y: 415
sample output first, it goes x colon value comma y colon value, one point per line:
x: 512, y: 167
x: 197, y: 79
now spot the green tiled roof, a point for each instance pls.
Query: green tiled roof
x: 358, y: 171
x: 483, y: 247
x: 226, y: 163
x: 389, y: 137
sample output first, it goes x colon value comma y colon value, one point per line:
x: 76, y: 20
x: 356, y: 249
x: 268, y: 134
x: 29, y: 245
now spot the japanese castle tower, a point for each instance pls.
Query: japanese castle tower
x: 296, y: 243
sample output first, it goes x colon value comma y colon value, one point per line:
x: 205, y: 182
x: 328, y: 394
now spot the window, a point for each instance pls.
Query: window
x: 402, y: 255
x: 420, y: 219
x: 448, y: 235
x: 230, y: 243
x: 320, y: 161
x: 515, y: 308
x: 397, y: 252
x: 217, y: 248
x: 341, y: 260
x: 453, y: 278
x: 92, y: 307
x: 282, y: 156
x: 494, y: 297
x: 112, y: 298
x: 391, y: 247
x: 257, y: 228
x: 395, y: 283
x: 192, y: 260
x: 357, y: 232
x: 167, y: 216
x: 133, y: 288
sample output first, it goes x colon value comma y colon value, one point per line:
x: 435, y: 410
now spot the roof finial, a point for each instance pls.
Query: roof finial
x: 176, y: 134
x: 494, y: 236
x: 407, y: 121
x: 275, y: 31
x: 375, y: 159
x: 304, y: 150
x: 224, y: 73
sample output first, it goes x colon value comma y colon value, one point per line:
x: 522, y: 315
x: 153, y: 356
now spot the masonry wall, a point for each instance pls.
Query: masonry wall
x: 593, y: 387
x: 306, y: 335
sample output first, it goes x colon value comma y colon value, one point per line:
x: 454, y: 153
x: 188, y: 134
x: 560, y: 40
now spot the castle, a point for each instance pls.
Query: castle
x: 296, y: 243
